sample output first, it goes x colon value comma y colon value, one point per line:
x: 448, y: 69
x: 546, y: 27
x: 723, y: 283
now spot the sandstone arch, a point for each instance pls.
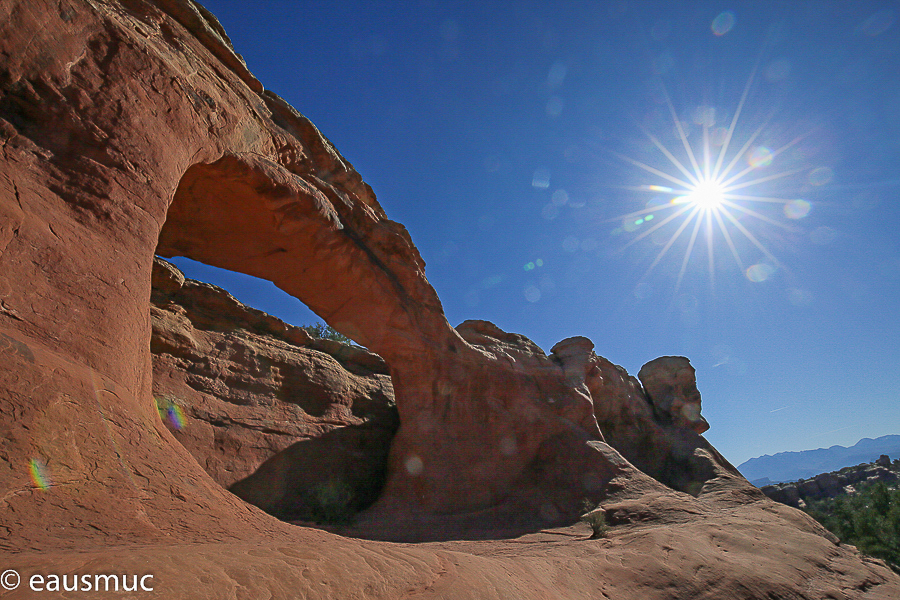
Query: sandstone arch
x: 89, y: 184
x: 109, y: 111
x: 475, y: 420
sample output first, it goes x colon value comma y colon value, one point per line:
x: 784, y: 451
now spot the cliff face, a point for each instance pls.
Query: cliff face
x: 132, y: 128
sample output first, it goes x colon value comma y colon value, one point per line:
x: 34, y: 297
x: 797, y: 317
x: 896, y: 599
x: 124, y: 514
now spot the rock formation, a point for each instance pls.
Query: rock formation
x: 835, y: 483
x: 285, y: 421
x: 132, y: 128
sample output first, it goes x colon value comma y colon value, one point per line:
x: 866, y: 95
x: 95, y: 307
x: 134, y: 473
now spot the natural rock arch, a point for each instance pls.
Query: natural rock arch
x: 195, y: 158
x: 106, y: 110
x: 481, y: 425
x: 92, y: 182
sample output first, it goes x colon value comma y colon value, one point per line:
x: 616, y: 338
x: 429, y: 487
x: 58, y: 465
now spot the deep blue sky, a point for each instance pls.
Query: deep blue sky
x: 496, y: 131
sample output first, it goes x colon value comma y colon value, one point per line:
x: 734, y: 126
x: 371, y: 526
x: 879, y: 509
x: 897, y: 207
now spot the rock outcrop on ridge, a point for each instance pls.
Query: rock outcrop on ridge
x: 132, y: 128
x: 828, y: 485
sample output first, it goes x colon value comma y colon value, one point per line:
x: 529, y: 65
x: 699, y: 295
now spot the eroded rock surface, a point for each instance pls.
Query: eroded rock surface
x: 295, y: 425
x: 131, y: 128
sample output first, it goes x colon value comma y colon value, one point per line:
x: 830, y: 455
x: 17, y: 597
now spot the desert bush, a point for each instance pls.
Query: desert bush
x: 332, y: 503
x: 596, y: 519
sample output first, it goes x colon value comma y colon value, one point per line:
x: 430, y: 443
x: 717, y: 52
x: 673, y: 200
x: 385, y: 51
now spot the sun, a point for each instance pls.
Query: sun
x: 708, y: 194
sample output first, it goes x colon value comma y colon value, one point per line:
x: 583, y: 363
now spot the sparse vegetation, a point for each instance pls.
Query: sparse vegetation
x: 868, y: 519
x: 332, y: 503
x: 595, y: 518
x: 327, y: 332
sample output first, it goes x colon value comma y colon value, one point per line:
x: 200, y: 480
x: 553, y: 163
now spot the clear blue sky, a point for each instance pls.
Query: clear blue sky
x: 507, y: 137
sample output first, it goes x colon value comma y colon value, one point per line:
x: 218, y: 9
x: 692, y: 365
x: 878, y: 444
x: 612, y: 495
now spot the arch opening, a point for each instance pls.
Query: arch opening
x: 297, y: 425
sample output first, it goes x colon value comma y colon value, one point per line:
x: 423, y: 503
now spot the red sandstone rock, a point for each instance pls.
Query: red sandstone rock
x: 132, y: 127
x: 671, y: 386
x: 277, y: 417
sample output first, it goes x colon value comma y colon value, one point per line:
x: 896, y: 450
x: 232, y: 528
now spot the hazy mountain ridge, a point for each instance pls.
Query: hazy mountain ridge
x: 791, y: 466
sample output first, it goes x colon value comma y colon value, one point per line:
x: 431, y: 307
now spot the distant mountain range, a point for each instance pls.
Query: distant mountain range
x: 791, y: 466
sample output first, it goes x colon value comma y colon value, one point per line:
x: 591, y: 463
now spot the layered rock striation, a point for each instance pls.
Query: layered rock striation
x: 132, y: 128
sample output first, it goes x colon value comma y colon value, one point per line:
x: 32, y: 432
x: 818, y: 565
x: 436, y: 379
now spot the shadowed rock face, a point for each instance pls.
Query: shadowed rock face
x: 671, y: 386
x: 132, y: 128
x: 297, y: 426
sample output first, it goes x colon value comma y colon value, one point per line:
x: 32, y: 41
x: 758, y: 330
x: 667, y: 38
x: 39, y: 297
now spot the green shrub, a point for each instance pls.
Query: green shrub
x: 596, y: 519
x: 332, y: 503
x: 868, y: 519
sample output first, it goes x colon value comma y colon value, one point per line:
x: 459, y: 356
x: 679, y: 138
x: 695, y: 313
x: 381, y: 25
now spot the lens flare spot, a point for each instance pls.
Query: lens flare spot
x: 797, y: 209
x: 541, y: 179
x: 532, y: 293
x: 760, y: 157
x: 648, y: 218
x: 559, y: 197
x: 760, y: 272
x: 171, y: 412
x: 691, y: 412
x: 554, y: 106
x: 413, y: 465
x: 704, y: 115
x: 550, y: 212
x: 663, y: 63
x: 508, y: 446
x: 557, y: 74
x: 821, y: 176
x: 799, y: 297
x: 718, y: 136
x: 823, y: 235
x: 723, y: 23
x: 176, y: 416
x: 778, y: 70
x: 39, y: 475
x: 877, y: 23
